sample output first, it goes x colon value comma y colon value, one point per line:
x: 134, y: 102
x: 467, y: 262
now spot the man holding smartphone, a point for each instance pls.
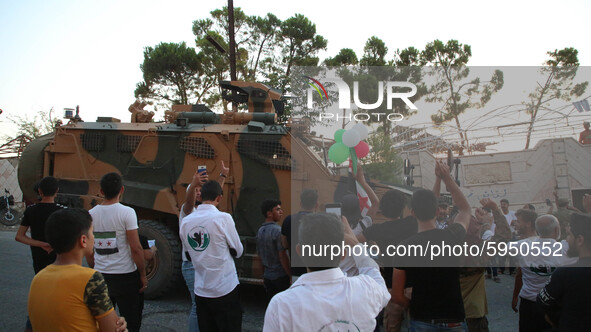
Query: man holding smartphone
x: 192, y: 200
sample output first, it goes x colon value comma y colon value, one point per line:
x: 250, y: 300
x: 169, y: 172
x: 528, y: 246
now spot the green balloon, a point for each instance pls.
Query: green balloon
x: 338, y: 135
x: 338, y: 153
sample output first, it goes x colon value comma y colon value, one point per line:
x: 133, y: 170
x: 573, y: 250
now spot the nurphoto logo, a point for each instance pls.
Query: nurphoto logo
x: 391, y: 88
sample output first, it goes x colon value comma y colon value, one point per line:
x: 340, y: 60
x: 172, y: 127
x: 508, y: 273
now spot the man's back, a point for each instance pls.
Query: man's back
x: 35, y: 217
x: 537, y: 269
x: 112, y: 251
x: 328, y: 301
x: 209, y: 235
x: 569, y: 286
x: 436, y: 287
x: 68, y: 298
x: 268, y: 248
x: 289, y: 229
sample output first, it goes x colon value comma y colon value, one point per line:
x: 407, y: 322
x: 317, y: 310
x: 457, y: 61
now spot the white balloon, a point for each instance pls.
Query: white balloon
x: 361, y: 129
x: 351, y: 138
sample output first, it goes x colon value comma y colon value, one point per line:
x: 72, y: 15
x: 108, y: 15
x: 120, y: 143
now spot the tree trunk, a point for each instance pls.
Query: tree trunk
x: 461, y: 152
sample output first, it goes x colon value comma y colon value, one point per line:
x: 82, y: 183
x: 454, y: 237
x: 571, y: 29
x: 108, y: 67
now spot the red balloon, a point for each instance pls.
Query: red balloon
x: 361, y: 149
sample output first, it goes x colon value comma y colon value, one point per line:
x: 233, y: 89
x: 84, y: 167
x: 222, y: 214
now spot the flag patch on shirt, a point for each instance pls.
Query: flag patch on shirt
x: 198, y: 238
x: 105, y: 243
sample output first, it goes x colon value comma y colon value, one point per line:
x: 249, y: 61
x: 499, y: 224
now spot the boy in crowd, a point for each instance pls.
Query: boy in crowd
x: 65, y: 296
x: 118, y: 252
x: 272, y: 254
x: 212, y: 240
x: 35, y: 218
x: 436, y: 301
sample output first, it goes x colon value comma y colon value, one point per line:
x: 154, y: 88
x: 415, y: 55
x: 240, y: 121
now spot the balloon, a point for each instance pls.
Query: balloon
x: 338, y: 135
x: 361, y: 149
x: 351, y: 138
x: 338, y: 153
x: 361, y: 129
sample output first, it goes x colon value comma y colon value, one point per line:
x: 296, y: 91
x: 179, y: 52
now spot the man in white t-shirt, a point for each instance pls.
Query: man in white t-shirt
x: 118, y: 254
x: 211, y: 238
x: 536, y: 266
x: 324, y: 299
x: 511, y: 219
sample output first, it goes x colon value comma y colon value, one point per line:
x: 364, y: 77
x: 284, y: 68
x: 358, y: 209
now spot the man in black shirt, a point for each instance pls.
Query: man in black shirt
x: 35, y: 217
x: 290, y: 227
x: 436, y: 295
x: 390, y: 232
x: 567, y: 296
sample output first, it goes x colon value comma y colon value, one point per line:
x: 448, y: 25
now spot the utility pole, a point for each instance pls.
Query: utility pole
x: 232, y: 49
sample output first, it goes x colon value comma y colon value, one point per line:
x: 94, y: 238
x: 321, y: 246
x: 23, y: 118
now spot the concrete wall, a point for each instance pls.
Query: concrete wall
x: 527, y: 176
x: 8, y: 178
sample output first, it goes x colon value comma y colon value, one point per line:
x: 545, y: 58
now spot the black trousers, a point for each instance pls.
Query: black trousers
x: 220, y: 314
x: 531, y: 317
x: 124, y: 291
x: 275, y: 286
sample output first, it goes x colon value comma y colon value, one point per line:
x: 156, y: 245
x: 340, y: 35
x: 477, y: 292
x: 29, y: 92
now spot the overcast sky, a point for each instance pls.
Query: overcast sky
x: 65, y: 53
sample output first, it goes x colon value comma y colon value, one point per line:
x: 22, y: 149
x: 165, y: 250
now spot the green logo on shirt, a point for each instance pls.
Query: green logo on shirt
x: 198, y: 238
x: 340, y: 325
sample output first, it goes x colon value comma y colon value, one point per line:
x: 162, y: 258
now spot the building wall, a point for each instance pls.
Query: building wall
x: 8, y: 178
x: 528, y: 176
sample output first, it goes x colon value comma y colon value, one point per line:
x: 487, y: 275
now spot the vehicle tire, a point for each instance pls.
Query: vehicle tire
x: 164, y: 272
x: 10, y: 217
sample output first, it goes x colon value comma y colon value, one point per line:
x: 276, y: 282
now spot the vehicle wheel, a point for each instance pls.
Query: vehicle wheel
x: 10, y: 216
x: 165, y: 270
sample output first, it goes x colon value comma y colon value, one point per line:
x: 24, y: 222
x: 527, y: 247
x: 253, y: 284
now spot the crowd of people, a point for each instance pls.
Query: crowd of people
x: 360, y: 292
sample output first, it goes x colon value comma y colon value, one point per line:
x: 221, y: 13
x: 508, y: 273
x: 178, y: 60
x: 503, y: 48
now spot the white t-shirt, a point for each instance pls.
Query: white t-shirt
x: 327, y: 300
x: 209, y: 234
x: 536, y: 269
x: 111, y: 223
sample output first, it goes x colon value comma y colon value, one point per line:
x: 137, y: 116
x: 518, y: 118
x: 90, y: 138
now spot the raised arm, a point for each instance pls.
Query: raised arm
x: 198, y: 180
x: 223, y: 174
x: 502, y: 230
x: 373, y: 198
x: 465, y: 211
x: 437, y: 186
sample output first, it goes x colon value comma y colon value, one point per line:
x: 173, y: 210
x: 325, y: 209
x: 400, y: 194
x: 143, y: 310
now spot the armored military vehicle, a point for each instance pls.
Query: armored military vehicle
x: 157, y: 161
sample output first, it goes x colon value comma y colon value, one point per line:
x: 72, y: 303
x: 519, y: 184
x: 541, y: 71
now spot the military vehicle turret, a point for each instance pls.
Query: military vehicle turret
x: 157, y: 161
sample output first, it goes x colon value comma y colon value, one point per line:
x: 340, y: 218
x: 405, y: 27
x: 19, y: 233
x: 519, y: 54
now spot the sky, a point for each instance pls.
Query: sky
x: 63, y: 53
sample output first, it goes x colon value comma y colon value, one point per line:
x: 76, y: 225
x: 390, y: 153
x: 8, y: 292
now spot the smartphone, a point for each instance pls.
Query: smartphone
x: 334, y: 208
x: 201, y: 169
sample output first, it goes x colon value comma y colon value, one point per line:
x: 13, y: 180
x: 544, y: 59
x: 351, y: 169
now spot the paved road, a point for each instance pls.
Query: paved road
x: 170, y: 313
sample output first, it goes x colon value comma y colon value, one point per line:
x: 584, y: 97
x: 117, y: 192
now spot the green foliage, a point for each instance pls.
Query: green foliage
x: 559, y: 73
x: 299, y: 44
x: 171, y: 72
x: 453, y: 88
x: 262, y: 45
x: 346, y: 57
x: 383, y: 163
x: 374, y: 52
x: 42, y: 123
